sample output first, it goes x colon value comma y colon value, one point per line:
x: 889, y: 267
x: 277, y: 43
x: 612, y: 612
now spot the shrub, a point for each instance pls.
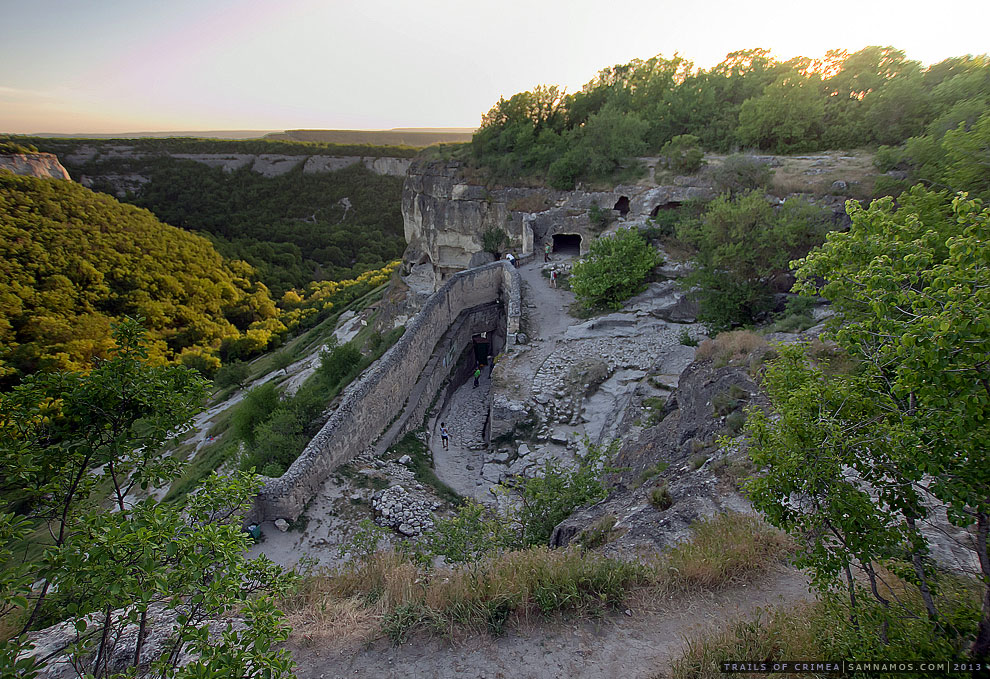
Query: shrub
x: 682, y: 154
x: 734, y: 422
x: 735, y: 346
x: 615, y: 269
x: 550, y: 498
x: 686, y: 339
x: 650, y: 472
x: 339, y: 362
x: 740, y: 173
x: 598, y: 217
x: 231, y: 375
x: 494, y: 240
x: 661, y: 498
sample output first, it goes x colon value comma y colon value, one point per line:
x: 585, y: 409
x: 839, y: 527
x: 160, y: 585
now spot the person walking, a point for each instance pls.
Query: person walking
x: 553, y: 278
x: 444, y: 435
x: 477, y: 376
x: 546, y: 251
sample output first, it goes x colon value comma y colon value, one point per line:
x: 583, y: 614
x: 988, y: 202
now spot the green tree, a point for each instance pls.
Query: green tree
x: 65, y: 439
x: 912, y: 290
x: 788, y: 117
x: 744, y: 244
x: 615, y: 269
x: 551, y: 496
x: 682, y: 154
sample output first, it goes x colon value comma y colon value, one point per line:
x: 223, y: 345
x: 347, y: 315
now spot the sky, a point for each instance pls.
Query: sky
x: 102, y: 66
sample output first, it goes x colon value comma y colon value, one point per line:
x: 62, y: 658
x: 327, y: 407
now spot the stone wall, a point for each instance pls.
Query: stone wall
x: 373, y: 402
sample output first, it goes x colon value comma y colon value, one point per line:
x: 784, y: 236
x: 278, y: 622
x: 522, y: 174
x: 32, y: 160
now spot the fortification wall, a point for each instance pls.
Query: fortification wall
x: 372, y: 404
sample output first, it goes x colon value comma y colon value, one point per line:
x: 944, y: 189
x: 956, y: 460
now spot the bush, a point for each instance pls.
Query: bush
x: 550, y: 498
x: 598, y: 217
x: 231, y: 375
x: 661, y: 498
x: 615, y: 269
x: 740, y: 173
x: 686, y: 339
x: 494, y: 240
x: 339, y: 362
x: 682, y: 154
x: 599, y: 533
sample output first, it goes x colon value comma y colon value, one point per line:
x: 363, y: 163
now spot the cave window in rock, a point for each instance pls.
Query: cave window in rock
x: 622, y: 206
x: 567, y: 244
x: 672, y: 205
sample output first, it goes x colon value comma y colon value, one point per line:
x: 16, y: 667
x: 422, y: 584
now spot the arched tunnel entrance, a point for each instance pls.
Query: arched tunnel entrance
x: 622, y: 206
x: 567, y: 244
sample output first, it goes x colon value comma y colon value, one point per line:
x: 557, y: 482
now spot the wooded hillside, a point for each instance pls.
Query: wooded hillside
x: 73, y: 261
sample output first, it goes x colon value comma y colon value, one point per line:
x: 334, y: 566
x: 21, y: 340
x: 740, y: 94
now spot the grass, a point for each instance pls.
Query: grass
x: 736, y: 347
x: 822, y: 630
x: 802, y: 174
x: 599, y: 533
x: 387, y: 594
x: 650, y: 472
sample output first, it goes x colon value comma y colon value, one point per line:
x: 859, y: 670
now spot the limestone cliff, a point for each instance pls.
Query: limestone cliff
x: 446, y: 217
x: 34, y: 165
x: 118, y: 166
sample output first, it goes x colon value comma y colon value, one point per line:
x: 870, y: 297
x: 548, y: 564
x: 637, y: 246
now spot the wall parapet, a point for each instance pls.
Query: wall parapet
x: 372, y: 403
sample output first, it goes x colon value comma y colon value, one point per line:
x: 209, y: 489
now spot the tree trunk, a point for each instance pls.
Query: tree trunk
x: 981, y: 646
x: 853, y: 619
x: 919, y: 570
x: 142, y: 633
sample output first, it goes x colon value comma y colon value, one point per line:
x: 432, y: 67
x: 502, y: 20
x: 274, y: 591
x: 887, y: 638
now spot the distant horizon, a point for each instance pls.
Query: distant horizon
x: 228, y: 133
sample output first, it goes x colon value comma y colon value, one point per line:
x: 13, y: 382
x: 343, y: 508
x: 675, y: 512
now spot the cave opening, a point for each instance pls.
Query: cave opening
x: 672, y: 205
x: 622, y: 206
x: 567, y: 244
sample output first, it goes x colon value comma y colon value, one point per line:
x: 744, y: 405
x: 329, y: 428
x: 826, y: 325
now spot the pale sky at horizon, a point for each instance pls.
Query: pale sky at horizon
x: 98, y: 66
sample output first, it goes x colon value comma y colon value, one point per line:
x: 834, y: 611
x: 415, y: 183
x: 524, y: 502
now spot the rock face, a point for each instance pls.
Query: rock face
x: 127, y: 159
x: 684, y: 441
x: 34, y: 165
x: 446, y: 217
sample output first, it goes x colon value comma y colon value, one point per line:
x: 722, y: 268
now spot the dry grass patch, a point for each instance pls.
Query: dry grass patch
x: 534, y: 202
x: 726, y: 549
x: 815, y: 173
x: 387, y: 594
x: 775, y: 635
x: 733, y: 347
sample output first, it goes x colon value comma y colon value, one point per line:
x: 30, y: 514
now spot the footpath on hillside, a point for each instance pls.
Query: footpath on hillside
x: 637, y: 643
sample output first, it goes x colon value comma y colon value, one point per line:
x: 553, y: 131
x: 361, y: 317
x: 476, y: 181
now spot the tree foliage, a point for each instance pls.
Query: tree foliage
x: 65, y: 439
x: 743, y: 244
x: 855, y: 460
x: 615, y: 269
x: 874, y: 96
x: 74, y: 261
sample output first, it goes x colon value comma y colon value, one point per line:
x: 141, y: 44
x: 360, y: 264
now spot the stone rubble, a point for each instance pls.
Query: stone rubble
x: 397, y: 508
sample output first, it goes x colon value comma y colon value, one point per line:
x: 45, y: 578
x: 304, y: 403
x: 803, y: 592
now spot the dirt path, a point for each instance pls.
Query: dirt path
x: 640, y: 645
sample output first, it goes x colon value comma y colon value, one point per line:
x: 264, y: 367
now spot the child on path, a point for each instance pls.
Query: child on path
x: 444, y: 436
x: 546, y: 251
x: 477, y: 376
x: 553, y: 278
